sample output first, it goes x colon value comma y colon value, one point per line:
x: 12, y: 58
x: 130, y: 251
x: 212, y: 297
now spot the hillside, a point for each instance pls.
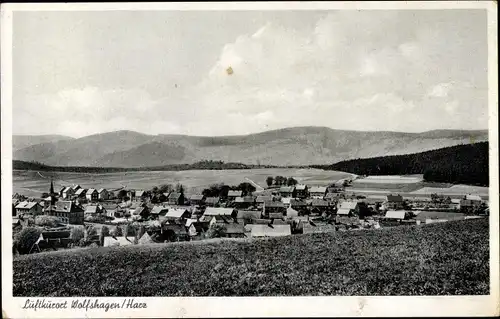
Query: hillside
x: 465, y: 164
x: 284, y: 147
x: 23, y: 141
x: 440, y: 259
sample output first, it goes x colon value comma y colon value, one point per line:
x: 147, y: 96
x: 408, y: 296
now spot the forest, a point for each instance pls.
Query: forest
x: 460, y: 164
x: 202, y: 165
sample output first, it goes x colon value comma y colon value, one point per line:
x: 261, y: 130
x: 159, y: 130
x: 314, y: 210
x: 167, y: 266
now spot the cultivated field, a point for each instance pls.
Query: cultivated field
x: 32, y: 183
x: 439, y: 259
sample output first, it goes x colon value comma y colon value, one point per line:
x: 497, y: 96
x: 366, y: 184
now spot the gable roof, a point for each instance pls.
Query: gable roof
x: 343, y: 211
x: 64, y: 206
x: 174, y: 196
x: 80, y: 191
x: 139, y: 193
x: 212, y: 200
x: 319, y: 203
x: 300, y: 187
x: 139, y: 210
x: 272, y: 203
x: 26, y: 205
x: 235, y: 229
x: 276, y: 215
x: 75, y: 187
x: 246, y: 199
x: 296, y: 202
x: 348, y: 205
x: 473, y: 197
x: 197, y: 197
x: 290, y: 212
x: 159, y: 210
x: 91, y: 190
x: 117, y: 241
x: 395, y: 214
x: 235, y: 193
x: 331, y: 195
x: 286, y: 189
x: 262, y: 199
x: 91, y: 209
x: 218, y: 211
x: 317, y: 189
x: 266, y: 231
x: 145, y: 239
x: 101, y: 190
x: 175, y: 212
x: 67, y: 189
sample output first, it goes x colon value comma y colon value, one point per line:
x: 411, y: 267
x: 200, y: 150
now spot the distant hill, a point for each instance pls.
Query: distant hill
x: 284, y: 147
x: 23, y: 141
x: 464, y: 164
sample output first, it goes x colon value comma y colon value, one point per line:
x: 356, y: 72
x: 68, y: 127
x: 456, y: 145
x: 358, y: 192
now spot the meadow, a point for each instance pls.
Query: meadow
x: 440, y: 259
x: 33, y: 183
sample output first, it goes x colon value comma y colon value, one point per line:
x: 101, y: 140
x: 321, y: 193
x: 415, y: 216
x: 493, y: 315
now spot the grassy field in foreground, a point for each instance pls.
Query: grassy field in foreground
x: 440, y: 259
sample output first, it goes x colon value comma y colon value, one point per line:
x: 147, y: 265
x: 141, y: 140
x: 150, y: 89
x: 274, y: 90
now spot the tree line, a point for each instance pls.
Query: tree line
x: 460, y: 164
x: 280, y: 181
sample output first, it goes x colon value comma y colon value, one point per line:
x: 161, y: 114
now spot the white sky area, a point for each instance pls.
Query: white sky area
x: 81, y: 73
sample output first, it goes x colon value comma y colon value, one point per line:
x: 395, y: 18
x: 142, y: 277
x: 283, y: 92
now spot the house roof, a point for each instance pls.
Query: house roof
x: 218, y: 211
x: 287, y: 189
x: 343, y: 211
x: 317, y: 189
x: 319, y: 203
x: 145, y: 239
x: 76, y: 186
x: 117, y: 241
x: 212, y: 200
x: 174, y: 196
x: 159, y: 210
x: 261, y: 221
x: 235, y: 229
x: 197, y: 197
x: 26, y: 205
x: 80, y: 191
x: 348, y: 205
x: 175, y: 212
x: 290, y: 212
x: 276, y: 215
x: 235, y: 193
x: 64, y: 206
x: 286, y: 200
x: 139, y: 210
x: 67, y: 189
x: 473, y: 197
x: 267, y: 231
x: 331, y: 195
x: 246, y: 199
x: 395, y: 214
x: 91, y: 190
x: 273, y: 204
x: 394, y: 198
x: 248, y: 214
x: 91, y: 209
x: 295, y: 202
x: 101, y: 190
x: 300, y: 187
x: 262, y: 199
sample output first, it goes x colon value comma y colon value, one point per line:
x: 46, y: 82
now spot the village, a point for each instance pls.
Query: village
x: 76, y: 217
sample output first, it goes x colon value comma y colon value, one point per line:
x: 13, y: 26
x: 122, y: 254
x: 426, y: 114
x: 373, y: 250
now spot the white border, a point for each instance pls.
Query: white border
x: 263, y: 306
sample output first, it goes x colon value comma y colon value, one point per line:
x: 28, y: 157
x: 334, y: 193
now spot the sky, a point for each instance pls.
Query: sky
x: 240, y: 72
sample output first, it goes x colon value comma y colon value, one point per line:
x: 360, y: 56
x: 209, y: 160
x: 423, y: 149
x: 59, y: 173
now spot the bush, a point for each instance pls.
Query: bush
x: 117, y: 232
x: 216, y: 231
x: 77, y: 234
x: 26, y: 238
x: 45, y: 220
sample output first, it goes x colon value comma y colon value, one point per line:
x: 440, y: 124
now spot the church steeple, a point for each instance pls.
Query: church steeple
x: 51, y: 188
x: 52, y: 194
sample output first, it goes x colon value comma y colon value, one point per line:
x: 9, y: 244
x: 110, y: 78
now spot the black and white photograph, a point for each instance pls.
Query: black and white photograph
x: 247, y: 150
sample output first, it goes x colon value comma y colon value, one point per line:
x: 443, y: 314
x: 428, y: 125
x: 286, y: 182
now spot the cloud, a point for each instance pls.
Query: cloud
x: 353, y: 70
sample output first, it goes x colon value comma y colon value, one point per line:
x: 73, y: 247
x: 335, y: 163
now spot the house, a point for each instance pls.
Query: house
x: 177, y: 215
x: 225, y: 214
x: 270, y: 230
x: 291, y: 213
x: 212, y: 201
x: 318, y: 192
x: 396, y: 215
x: 94, y: 210
x: 140, y: 195
x: 232, y: 194
x: 301, y: 191
x: 102, y: 194
x: 470, y: 202
x: 244, y: 202
x: 196, y: 228
x: 247, y: 216
x: 348, y: 208
x: 333, y: 197
x: 81, y: 193
x: 142, y: 211
x: 286, y: 201
x: 158, y: 211
x: 117, y: 241
x: 394, y: 202
x: 273, y: 207
x: 29, y: 208
x: 174, y: 232
x: 145, y: 239
x: 69, y: 211
x: 320, y: 206
x: 277, y: 215
x: 175, y: 198
x: 298, y: 204
x: 197, y: 199
x: 261, y: 199
x: 68, y: 192
x: 92, y: 195
x: 287, y: 191
x: 76, y: 187
x: 235, y: 230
